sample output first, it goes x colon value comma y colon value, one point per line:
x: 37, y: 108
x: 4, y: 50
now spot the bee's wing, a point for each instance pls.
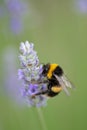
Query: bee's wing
x: 65, y: 83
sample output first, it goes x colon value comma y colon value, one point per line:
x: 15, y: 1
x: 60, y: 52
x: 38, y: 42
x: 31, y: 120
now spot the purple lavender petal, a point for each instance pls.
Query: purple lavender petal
x: 33, y: 88
x: 20, y: 74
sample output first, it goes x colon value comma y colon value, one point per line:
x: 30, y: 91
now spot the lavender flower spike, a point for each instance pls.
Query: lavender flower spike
x: 30, y: 73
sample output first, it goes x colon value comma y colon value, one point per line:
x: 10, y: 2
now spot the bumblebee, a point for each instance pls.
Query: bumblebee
x: 56, y: 80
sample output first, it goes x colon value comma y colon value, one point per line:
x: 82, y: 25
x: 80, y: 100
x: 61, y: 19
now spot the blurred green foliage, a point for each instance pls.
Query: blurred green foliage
x: 59, y: 34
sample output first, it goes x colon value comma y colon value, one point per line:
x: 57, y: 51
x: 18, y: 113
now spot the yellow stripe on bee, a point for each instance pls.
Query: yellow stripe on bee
x: 52, y: 68
x: 56, y: 89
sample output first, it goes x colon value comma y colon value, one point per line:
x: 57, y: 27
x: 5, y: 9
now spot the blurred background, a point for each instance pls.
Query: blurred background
x: 58, y: 28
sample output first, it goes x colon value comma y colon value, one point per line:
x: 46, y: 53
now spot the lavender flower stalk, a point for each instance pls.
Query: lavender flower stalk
x: 30, y: 73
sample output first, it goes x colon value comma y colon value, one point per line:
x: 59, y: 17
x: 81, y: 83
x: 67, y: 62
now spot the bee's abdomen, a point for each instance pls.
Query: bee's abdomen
x: 54, y: 88
x: 52, y: 94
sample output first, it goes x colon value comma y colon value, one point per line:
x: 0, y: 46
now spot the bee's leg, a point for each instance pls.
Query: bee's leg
x: 39, y: 82
x: 40, y: 93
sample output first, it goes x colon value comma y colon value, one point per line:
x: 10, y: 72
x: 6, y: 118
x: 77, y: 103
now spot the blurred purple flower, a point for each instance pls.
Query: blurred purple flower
x: 2, y: 11
x: 11, y: 83
x: 18, y: 9
x: 81, y: 6
x: 30, y: 73
x: 16, y: 25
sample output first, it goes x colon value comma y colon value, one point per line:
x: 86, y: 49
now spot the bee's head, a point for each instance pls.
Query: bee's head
x: 45, y: 69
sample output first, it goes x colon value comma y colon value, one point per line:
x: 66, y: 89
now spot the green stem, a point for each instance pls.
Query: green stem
x: 41, y: 118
